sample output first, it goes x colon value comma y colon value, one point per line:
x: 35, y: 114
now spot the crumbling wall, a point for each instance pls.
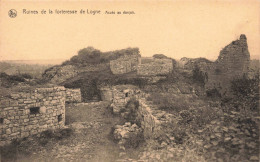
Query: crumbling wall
x: 233, y: 62
x: 25, y: 114
x: 150, y: 117
x: 124, y: 64
x: 121, y: 95
x: 73, y: 95
x: 155, y: 67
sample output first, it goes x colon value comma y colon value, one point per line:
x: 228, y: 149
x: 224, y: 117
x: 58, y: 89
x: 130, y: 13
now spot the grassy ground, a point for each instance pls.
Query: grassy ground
x: 215, y: 131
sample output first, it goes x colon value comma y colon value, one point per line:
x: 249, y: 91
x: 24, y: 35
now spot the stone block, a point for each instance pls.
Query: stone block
x: 8, y: 131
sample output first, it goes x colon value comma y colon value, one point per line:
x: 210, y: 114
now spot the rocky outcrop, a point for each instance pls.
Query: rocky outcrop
x: 59, y: 74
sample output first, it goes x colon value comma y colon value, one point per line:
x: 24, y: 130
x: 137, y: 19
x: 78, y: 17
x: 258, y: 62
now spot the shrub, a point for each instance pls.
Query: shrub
x: 246, y: 92
x: 91, y: 55
x: 10, y: 80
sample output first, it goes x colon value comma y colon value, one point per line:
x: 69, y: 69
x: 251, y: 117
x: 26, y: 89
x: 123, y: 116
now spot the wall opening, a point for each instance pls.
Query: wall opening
x: 126, y: 94
x: 1, y: 121
x: 35, y: 110
x: 59, y: 118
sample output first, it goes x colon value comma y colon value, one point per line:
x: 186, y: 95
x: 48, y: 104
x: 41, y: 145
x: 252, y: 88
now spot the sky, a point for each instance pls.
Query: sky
x: 174, y: 28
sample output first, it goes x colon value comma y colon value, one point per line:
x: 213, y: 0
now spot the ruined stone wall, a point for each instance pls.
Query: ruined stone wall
x: 121, y: 95
x: 233, y: 62
x: 25, y: 114
x: 155, y: 67
x: 124, y: 64
x: 151, y: 118
x: 73, y: 95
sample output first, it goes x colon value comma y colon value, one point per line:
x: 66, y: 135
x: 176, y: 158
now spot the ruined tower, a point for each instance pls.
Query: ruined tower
x: 233, y: 62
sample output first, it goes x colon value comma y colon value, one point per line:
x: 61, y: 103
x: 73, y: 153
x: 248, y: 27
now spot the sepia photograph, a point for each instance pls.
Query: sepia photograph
x: 129, y: 81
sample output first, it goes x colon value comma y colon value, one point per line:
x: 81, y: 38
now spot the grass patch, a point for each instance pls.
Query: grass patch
x: 26, y: 146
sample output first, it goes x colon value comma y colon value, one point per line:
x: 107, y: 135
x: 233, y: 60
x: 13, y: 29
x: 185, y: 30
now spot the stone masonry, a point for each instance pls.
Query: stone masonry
x: 24, y: 114
x: 73, y: 95
x: 233, y: 62
x: 155, y: 67
x: 124, y: 64
x: 151, y: 118
x: 121, y: 94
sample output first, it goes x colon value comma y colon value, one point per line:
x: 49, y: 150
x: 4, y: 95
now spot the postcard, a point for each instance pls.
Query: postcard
x: 106, y: 81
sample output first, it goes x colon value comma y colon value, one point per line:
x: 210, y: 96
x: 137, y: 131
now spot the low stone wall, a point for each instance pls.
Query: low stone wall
x: 155, y: 67
x: 25, y: 114
x: 150, y: 117
x: 73, y: 95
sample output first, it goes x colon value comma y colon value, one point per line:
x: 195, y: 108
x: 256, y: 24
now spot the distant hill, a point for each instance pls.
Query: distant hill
x: 38, y: 62
x: 23, y: 67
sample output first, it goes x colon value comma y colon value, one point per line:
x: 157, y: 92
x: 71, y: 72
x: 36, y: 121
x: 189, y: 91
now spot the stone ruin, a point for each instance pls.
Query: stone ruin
x: 73, y: 95
x: 125, y: 64
x: 152, y: 119
x: 28, y: 113
x: 153, y: 67
x: 119, y: 95
x: 233, y: 62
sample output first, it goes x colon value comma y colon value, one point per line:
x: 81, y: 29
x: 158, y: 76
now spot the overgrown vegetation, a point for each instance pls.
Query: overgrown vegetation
x: 223, y: 125
x: 11, y: 80
x: 162, y: 56
x: 91, y: 55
